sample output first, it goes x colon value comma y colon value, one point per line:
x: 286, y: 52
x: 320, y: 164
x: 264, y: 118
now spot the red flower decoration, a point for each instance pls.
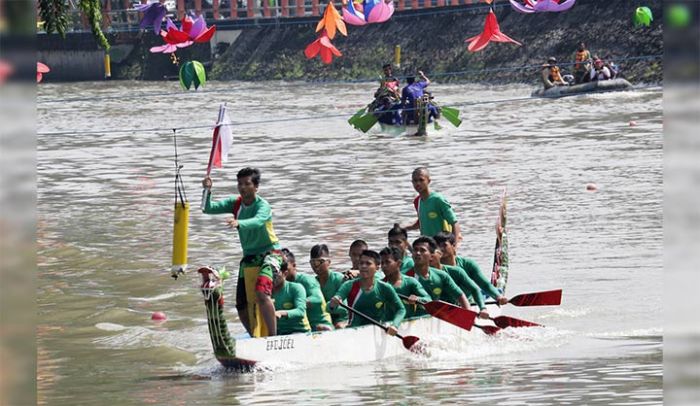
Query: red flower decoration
x: 492, y: 32
x: 324, y: 47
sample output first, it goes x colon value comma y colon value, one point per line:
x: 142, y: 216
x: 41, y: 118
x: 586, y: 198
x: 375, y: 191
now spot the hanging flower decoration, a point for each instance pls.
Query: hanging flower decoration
x: 541, y: 6
x: 5, y: 71
x: 191, y: 31
x: 492, y: 32
x: 323, y: 47
x: 367, y: 11
x: 192, y: 73
x: 40, y: 70
x: 153, y: 14
x: 331, y: 21
x: 643, y: 17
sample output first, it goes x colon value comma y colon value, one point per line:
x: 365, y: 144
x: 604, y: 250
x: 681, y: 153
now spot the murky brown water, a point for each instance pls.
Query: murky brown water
x: 105, y: 229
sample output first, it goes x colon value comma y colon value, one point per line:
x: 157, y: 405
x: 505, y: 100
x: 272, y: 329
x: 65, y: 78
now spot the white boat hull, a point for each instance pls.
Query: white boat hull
x: 361, y: 344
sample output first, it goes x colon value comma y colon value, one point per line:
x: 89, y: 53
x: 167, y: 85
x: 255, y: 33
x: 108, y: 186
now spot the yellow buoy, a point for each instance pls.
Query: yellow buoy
x: 397, y: 56
x: 182, y: 216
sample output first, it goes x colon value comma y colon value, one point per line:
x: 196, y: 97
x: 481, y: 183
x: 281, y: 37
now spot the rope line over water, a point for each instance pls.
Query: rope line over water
x: 301, y: 118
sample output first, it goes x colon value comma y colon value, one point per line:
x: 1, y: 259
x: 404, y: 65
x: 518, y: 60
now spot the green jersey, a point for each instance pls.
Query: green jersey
x: 468, y: 286
x: 335, y: 279
x: 291, y: 298
x: 315, y: 303
x: 406, y: 264
x: 473, y: 271
x: 438, y: 284
x: 410, y: 286
x: 380, y: 303
x: 254, y: 223
x: 435, y: 214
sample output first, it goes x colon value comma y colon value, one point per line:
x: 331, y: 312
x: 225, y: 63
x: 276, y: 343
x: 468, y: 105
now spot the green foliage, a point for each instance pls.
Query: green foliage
x: 678, y: 16
x: 53, y: 14
x: 92, y: 10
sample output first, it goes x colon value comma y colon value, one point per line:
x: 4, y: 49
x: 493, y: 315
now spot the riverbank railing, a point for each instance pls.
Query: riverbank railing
x: 120, y: 15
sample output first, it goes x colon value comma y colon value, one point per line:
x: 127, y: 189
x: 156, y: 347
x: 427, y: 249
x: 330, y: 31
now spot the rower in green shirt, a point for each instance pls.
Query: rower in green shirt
x: 438, y: 284
x: 402, y: 284
x: 463, y: 282
x: 435, y: 213
x: 290, y: 305
x: 329, y: 281
x: 316, y: 311
x: 446, y: 241
x: 252, y: 217
x: 398, y: 237
x: 374, y: 298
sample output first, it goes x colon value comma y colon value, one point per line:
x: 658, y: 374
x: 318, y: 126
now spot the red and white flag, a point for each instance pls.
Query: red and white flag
x: 222, y: 141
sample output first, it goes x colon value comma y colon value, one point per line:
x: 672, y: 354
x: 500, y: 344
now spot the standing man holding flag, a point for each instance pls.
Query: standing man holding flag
x: 252, y: 217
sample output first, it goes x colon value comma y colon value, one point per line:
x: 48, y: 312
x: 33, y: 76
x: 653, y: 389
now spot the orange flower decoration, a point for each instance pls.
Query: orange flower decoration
x: 331, y: 21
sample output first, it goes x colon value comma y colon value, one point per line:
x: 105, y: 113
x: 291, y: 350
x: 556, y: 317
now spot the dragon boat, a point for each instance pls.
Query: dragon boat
x: 590, y: 87
x: 350, y: 345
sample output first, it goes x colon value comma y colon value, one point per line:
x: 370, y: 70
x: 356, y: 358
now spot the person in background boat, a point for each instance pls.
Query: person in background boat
x: 398, y: 238
x: 316, y: 310
x: 290, y: 305
x: 387, y: 98
x: 600, y: 71
x: 551, y: 74
x: 446, y: 242
x: 438, y: 284
x: 410, y: 93
x: 370, y: 296
x: 582, y: 64
x: 388, y: 112
x: 435, y: 213
x: 391, y: 259
x: 612, y: 67
x: 355, y: 251
x: 459, y: 275
x: 329, y: 281
x: 262, y: 258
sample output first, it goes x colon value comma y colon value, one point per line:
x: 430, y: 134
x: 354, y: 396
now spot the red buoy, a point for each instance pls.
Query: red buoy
x: 591, y: 187
x: 633, y: 123
x: 158, y: 316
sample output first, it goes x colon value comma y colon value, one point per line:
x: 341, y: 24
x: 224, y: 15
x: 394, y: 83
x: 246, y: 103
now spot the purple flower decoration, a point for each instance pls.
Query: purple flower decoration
x: 153, y: 14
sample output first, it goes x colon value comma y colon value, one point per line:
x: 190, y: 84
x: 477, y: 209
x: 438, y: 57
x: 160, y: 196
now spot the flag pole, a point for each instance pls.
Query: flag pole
x: 214, y: 146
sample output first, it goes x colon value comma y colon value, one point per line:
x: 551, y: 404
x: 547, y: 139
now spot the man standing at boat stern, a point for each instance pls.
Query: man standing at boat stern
x: 262, y: 258
x: 435, y: 213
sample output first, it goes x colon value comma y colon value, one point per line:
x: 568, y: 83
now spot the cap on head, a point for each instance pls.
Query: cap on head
x: 552, y: 59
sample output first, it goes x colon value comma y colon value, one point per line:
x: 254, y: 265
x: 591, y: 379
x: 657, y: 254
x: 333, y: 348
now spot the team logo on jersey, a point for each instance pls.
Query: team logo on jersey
x: 437, y: 291
x: 379, y: 305
x: 432, y: 215
x: 288, y: 305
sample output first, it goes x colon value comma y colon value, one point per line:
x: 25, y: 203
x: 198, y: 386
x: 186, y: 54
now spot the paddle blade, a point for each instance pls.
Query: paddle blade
x: 452, y: 115
x: 490, y: 330
x: 547, y: 298
x: 409, y: 342
x: 452, y: 314
x: 505, y: 321
x: 364, y: 123
x: 357, y: 115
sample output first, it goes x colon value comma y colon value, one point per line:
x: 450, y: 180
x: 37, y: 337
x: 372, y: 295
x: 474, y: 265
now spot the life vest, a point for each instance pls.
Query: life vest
x: 581, y: 56
x: 555, y: 74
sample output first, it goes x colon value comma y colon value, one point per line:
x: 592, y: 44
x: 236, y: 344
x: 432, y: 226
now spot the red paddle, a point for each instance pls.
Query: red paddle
x: 448, y: 312
x: 408, y: 341
x: 546, y: 298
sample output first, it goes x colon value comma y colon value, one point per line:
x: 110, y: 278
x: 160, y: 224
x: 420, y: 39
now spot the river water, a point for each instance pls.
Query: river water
x: 105, y: 230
